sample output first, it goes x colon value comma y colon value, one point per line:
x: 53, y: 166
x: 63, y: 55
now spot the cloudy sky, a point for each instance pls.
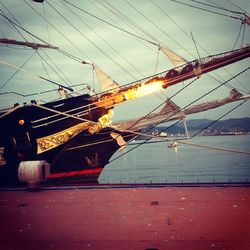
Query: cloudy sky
x: 124, y: 57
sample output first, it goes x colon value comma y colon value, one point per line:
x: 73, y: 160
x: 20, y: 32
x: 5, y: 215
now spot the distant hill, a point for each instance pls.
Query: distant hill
x: 208, y: 127
x: 242, y: 123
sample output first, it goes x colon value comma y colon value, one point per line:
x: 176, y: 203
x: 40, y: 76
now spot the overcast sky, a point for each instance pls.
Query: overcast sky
x: 122, y: 56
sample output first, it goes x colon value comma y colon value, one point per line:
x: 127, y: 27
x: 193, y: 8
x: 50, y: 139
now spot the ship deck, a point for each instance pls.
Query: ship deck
x: 126, y: 217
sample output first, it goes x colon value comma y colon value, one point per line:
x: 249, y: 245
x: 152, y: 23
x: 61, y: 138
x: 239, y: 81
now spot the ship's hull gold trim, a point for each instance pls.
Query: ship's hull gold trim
x: 52, y: 141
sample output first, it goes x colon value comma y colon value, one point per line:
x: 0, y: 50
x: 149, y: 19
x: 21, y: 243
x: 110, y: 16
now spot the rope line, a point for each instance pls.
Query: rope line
x: 61, y: 33
x: 135, y: 26
x: 130, y: 23
x: 217, y: 7
x: 211, y: 11
x: 111, y: 47
x: 235, y: 5
x: 45, y: 69
x: 115, y: 26
x: 180, y: 141
x: 43, y: 59
x: 12, y: 25
x: 18, y: 69
x: 215, y: 148
x: 238, y: 36
x: 91, y: 42
x: 159, y: 28
x: 59, y: 69
x: 34, y: 74
x: 228, y: 112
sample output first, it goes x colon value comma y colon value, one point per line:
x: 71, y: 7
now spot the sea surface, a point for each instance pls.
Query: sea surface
x: 157, y: 163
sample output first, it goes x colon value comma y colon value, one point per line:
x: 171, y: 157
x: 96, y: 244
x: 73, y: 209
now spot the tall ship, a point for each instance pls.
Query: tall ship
x: 72, y: 139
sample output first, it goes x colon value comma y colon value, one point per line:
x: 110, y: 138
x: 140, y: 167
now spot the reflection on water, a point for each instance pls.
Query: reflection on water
x: 159, y: 163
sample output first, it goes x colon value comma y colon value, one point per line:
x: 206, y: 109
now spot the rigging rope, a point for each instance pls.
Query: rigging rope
x: 41, y: 59
x: 135, y: 26
x: 17, y: 24
x: 217, y: 7
x: 243, y: 36
x: 238, y: 36
x: 65, y: 82
x: 73, y: 57
x: 58, y: 68
x: 91, y: 42
x: 215, y: 148
x: 211, y: 11
x: 157, y: 60
x: 115, y: 26
x: 228, y: 112
x: 61, y: 33
x: 181, y: 141
x: 18, y: 69
x: 29, y: 33
x: 237, y: 6
x: 130, y: 23
x: 14, y: 23
x: 111, y: 47
x: 11, y: 24
x: 38, y: 93
x: 47, y: 26
x: 34, y: 74
x: 158, y: 27
x: 61, y: 113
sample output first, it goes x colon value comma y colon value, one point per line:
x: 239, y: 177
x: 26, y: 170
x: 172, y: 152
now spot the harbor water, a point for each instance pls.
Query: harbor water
x: 157, y: 163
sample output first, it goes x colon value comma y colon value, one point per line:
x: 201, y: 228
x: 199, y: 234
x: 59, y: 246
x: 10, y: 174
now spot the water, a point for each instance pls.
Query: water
x: 157, y: 163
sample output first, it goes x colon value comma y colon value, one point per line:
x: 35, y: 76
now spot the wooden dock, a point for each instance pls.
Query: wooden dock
x: 137, y: 217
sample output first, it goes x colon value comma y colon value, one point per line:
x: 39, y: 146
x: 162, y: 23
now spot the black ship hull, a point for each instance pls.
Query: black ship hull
x: 59, y: 134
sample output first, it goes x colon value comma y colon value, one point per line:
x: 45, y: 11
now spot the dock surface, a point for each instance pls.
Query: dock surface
x: 146, y: 218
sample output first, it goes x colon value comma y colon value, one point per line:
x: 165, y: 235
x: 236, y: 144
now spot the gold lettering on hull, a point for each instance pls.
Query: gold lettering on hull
x: 52, y: 141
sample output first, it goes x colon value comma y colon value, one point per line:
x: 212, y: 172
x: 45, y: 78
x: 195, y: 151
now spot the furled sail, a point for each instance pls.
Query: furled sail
x: 233, y: 96
x: 172, y: 56
x: 27, y: 44
x: 105, y: 81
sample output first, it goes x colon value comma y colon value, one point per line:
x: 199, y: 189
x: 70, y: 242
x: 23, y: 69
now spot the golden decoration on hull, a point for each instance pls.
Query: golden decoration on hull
x: 52, y: 141
x: 103, y: 122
